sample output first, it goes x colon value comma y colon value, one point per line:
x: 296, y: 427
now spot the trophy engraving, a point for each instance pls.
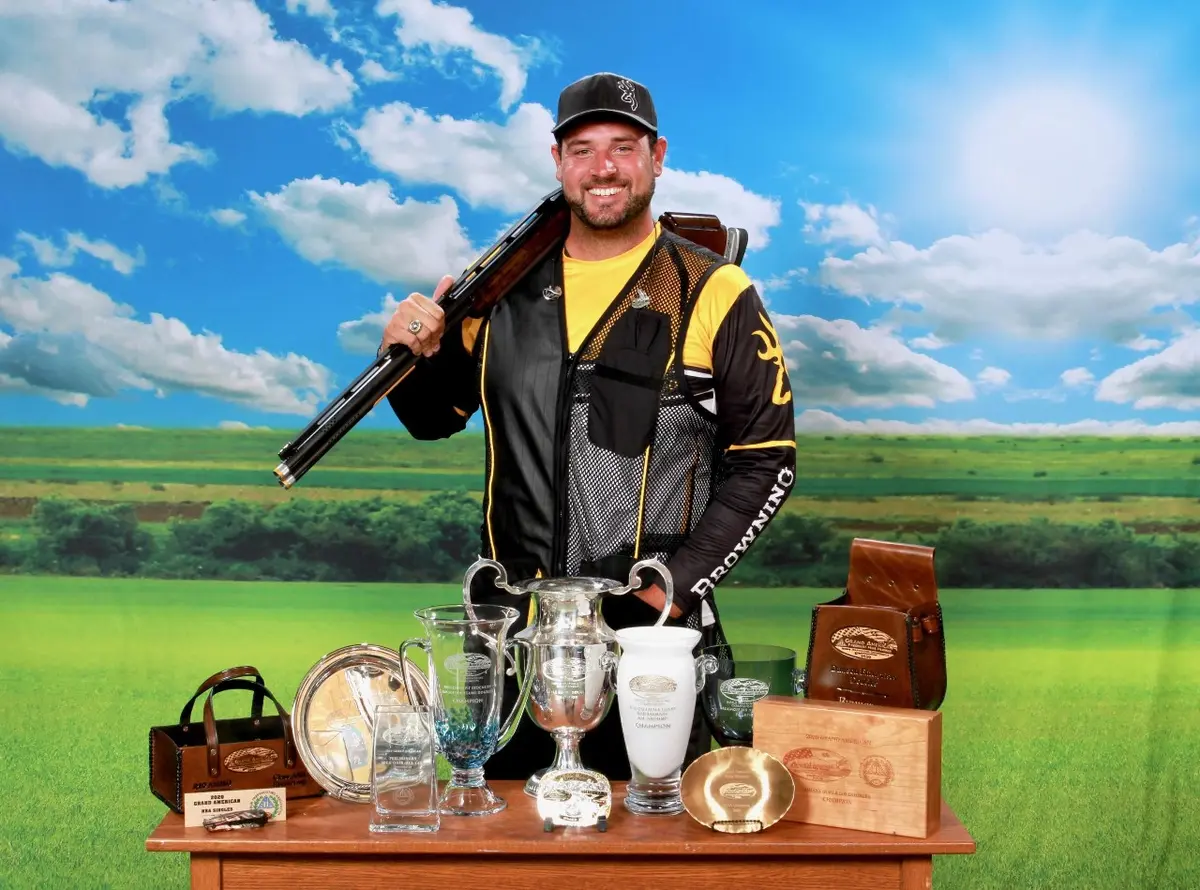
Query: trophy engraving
x: 864, y: 643
x: 572, y: 660
x: 574, y: 799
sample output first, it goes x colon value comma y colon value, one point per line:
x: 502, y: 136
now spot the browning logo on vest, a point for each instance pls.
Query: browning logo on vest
x: 772, y: 352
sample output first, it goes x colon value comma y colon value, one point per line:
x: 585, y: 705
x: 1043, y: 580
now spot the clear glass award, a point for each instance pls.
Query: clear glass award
x: 404, y: 785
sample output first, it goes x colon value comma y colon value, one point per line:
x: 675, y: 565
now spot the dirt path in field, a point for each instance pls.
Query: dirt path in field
x: 22, y: 508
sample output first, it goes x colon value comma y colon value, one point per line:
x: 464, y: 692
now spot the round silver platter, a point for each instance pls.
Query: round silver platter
x: 334, y: 710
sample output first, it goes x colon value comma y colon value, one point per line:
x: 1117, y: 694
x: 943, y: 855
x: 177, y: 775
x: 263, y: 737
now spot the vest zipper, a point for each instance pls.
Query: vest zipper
x: 558, y: 537
x: 562, y: 419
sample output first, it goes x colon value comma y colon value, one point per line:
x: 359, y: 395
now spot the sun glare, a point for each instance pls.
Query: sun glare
x: 1045, y: 157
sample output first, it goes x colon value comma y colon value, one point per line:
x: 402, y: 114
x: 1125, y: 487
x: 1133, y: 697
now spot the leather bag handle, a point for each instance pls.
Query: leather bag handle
x: 213, y: 744
x: 185, y: 715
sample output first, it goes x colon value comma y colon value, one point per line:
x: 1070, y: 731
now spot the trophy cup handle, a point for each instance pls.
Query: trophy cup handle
x: 635, y: 576
x: 406, y: 668
x: 474, y: 569
x: 509, y: 728
x: 705, y: 665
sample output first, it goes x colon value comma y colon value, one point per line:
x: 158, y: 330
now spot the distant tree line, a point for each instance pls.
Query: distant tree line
x: 437, y: 539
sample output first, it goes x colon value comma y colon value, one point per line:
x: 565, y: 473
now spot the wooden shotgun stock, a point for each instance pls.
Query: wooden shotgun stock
x: 480, y: 287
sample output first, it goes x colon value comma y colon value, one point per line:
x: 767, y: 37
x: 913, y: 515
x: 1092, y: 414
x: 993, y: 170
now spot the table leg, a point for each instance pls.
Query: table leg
x: 916, y: 873
x: 206, y: 871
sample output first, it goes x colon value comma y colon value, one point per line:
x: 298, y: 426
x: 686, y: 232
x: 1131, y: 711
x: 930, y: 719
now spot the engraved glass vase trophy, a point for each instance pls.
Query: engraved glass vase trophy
x: 466, y: 654
x: 573, y: 653
x: 736, y: 675
x: 658, y: 680
x: 404, y: 783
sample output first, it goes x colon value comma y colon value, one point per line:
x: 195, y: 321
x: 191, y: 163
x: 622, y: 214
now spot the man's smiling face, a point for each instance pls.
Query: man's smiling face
x: 607, y: 170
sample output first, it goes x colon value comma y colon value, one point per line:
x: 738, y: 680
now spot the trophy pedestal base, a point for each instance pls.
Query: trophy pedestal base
x: 468, y: 794
x: 654, y: 797
x: 534, y: 782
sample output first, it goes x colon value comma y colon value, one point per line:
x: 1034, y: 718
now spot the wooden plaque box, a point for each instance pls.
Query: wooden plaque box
x: 864, y: 767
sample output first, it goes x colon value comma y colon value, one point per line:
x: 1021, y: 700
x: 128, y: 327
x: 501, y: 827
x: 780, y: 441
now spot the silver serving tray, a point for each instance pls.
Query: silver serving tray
x: 333, y: 714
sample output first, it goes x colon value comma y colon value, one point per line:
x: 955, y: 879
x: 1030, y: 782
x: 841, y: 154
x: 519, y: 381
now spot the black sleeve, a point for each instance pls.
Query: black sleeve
x: 425, y: 401
x: 757, y: 434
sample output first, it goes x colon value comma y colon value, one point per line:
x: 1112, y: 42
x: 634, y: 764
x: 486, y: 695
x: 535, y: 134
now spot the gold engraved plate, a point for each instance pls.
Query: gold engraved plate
x: 737, y: 790
x: 575, y: 798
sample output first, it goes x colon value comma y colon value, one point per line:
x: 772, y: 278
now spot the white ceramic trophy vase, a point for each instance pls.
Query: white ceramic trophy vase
x: 658, y: 679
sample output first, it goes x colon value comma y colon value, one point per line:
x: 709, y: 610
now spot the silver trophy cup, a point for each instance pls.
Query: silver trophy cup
x: 573, y: 654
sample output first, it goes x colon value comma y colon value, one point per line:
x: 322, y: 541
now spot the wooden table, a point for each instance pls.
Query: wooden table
x: 325, y: 843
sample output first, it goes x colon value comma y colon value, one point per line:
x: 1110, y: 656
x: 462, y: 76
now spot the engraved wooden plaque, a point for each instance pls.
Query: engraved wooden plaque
x: 864, y: 767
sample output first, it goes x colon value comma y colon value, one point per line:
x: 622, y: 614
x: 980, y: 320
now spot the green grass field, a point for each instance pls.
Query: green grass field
x: 1071, y: 733
x: 862, y: 483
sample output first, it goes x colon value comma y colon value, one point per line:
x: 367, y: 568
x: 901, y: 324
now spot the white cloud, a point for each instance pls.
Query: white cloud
x: 1142, y: 343
x: 373, y: 72
x: 364, y: 228
x: 993, y: 377
x: 1084, y: 285
x: 85, y: 84
x: 363, y: 335
x: 931, y: 342
x: 52, y: 256
x: 444, y: 33
x: 1077, y: 377
x: 847, y: 223
x: 74, y: 342
x: 502, y: 165
x: 320, y: 9
x: 817, y: 421
x: 1168, y: 379
x: 838, y: 363
x: 508, y: 165
x: 227, y: 216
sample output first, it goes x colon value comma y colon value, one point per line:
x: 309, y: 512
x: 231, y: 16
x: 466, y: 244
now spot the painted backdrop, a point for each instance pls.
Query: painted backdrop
x: 975, y: 226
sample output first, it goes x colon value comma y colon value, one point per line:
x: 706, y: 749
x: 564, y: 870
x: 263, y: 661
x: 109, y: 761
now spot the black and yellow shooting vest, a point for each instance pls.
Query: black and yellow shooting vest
x: 603, y: 457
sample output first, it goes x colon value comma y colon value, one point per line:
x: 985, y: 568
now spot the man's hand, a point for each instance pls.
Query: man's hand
x: 657, y: 597
x: 426, y: 339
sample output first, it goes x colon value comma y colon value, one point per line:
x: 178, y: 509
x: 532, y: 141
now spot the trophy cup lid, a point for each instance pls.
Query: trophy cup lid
x: 334, y: 712
x: 737, y: 790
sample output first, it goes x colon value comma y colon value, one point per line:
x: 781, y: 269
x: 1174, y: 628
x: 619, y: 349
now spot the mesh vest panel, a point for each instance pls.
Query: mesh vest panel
x: 642, y: 505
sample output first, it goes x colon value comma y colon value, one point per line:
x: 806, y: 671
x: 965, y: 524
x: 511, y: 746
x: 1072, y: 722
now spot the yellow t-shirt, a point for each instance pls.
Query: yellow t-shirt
x: 591, y: 285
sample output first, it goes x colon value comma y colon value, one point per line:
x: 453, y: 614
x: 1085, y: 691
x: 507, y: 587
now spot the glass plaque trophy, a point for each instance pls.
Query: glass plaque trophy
x: 404, y: 785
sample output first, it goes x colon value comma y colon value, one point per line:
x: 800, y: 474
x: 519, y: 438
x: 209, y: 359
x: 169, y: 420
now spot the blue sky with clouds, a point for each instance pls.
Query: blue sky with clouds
x: 966, y: 219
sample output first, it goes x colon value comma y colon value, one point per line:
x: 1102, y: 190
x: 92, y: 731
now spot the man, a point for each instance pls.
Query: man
x: 634, y: 397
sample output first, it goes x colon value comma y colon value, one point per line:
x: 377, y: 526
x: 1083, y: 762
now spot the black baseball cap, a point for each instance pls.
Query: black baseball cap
x: 605, y: 95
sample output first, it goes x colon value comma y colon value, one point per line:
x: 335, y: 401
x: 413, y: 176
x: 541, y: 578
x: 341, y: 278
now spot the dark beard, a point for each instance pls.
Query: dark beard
x: 635, y: 206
